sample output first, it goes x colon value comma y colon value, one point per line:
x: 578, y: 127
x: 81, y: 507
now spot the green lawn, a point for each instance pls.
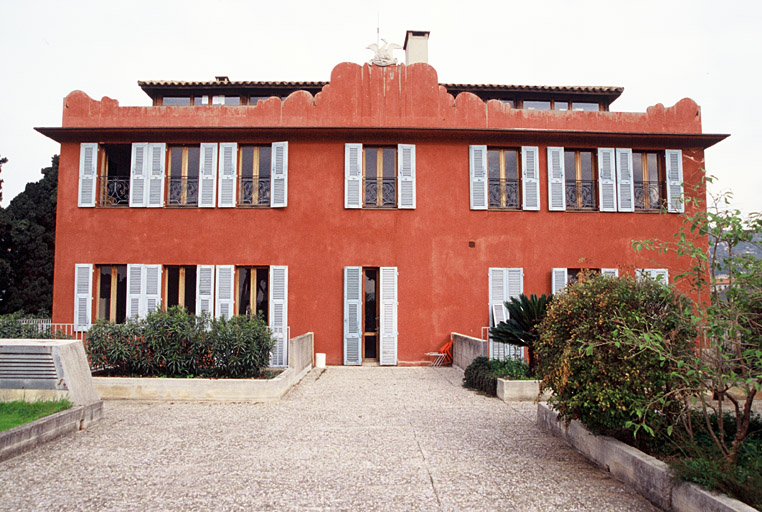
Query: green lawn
x: 13, y: 414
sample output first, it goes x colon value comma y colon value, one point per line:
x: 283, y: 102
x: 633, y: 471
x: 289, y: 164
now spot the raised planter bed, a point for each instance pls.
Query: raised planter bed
x: 25, y: 437
x: 155, y: 388
x: 647, y: 475
x: 519, y: 390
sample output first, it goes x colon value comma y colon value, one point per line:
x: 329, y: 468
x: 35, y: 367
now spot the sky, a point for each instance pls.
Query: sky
x: 659, y: 51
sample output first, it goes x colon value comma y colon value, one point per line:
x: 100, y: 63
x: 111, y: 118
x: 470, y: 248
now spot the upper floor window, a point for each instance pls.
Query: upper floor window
x: 581, y: 186
x: 176, y: 101
x: 504, y: 179
x: 379, y: 177
x: 648, y: 180
x: 503, y: 167
x: 114, y: 175
x: 183, y: 179
x: 254, y: 175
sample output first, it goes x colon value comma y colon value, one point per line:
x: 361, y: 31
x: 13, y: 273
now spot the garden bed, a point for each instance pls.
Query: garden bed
x: 647, y: 475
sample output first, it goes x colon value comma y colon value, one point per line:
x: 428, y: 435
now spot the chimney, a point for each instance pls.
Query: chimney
x: 416, y: 47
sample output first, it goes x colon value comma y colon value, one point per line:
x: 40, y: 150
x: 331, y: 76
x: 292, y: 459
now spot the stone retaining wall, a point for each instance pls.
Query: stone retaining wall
x: 25, y: 437
x: 647, y: 475
x: 466, y: 348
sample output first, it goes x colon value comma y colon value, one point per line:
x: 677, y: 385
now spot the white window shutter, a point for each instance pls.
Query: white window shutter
x: 135, y: 277
x: 388, y: 320
x: 227, y: 174
x: 152, y: 291
x: 657, y: 274
x: 610, y: 272
x: 353, y: 176
x: 279, y: 314
x: 406, y: 176
x: 279, y: 175
x: 352, y: 315
x: 624, y: 181
x: 530, y: 177
x: 477, y: 172
x: 225, y: 291
x: 496, y: 293
x: 560, y: 278
x: 207, y: 179
x: 138, y: 174
x: 556, y: 180
x: 156, y: 162
x: 88, y: 171
x: 83, y: 296
x: 606, y: 180
x: 675, y: 200
x: 205, y: 289
x: 514, y: 282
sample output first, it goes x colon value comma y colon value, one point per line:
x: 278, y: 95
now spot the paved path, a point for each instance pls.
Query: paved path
x: 347, y: 439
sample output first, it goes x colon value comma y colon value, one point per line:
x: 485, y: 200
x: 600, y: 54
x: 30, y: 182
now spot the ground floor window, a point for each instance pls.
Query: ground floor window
x: 112, y: 293
x: 180, y: 287
x: 253, y: 291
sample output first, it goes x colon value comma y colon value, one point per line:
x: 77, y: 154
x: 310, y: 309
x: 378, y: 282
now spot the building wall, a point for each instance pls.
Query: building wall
x: 443, y: 283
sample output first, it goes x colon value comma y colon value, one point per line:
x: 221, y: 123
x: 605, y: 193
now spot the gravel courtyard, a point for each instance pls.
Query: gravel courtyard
x: 366, y: 438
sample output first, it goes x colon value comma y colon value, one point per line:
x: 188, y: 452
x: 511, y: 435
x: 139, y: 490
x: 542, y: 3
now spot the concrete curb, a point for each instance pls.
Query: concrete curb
x: 152, y: 388
x: 25, y: 437
x: 519, y: 390
x: 647, y: 475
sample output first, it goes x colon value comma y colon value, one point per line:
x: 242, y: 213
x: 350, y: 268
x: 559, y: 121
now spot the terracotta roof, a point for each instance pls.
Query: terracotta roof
x: 541, y: 88
x: 214, y: 83
x: 612, y: 92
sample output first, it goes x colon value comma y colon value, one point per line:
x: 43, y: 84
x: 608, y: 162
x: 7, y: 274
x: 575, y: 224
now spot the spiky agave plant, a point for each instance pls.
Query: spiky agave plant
x: 524, y: 315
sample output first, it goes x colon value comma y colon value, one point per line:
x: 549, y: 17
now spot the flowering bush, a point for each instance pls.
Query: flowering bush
x: 174, y: 343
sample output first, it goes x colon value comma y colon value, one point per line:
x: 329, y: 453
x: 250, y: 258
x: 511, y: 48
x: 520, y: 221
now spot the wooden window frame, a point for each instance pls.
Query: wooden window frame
x: 503, y: 194
x: 183, y: 174
x: 578, y: 177
x: 113, y: 293
x: 180, y: 285
x: 661, y: 177
x: 252, y: 287
x: 379, y: 177
x: 255, y: 172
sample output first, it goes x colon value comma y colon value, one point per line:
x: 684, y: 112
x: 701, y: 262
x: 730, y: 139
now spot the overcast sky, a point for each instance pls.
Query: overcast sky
x: 659, y: 51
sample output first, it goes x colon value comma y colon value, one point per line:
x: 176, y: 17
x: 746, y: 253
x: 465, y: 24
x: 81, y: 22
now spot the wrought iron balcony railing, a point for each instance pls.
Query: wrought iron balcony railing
x: 254, y: 191
x: 648, y: 195
x: 582, y: 194
x: 503, y: 193
x: 381, y: 192
x: 182, y: 191
x: 115, y: 191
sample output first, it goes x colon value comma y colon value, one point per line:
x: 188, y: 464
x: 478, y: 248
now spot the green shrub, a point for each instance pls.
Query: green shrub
x: 174, y: 343
x: 705, y: 465
x: 12, y: 327
x: 595, y: 376
x: 524, y: 316
x: 482, y: 373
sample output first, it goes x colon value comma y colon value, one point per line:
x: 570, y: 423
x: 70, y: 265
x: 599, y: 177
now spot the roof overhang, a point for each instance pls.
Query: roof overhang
x: 467, y: 135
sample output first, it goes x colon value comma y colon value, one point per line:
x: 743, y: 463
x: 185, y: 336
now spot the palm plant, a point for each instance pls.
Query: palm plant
x: 524, y: 315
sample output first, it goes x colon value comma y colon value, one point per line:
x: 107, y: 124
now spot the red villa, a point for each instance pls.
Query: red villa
x: 381, y: 210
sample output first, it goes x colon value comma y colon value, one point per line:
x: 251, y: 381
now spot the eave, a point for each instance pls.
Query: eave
x: 517, y: 136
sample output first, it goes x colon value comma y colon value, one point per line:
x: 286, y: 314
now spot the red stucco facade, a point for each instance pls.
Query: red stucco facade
x: 442, y: 279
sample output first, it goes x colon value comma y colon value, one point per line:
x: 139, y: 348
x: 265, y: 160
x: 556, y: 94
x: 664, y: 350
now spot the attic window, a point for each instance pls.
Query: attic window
x: 176, y: 101
x: 222, y: 79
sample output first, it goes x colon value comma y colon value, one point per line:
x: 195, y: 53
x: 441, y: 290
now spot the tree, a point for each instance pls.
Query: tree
x: 27, y: 242
x: 729, y: 365
x: 3, y: 161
